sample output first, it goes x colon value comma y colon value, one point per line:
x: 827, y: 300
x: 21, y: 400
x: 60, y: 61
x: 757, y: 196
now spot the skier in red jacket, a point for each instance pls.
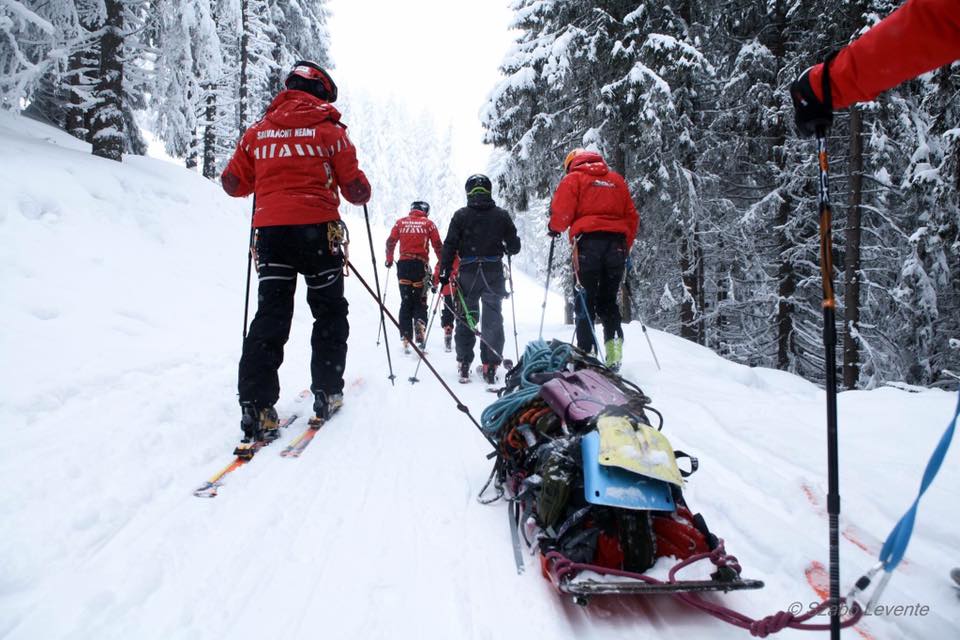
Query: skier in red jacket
x: 294, y: 161
x: 919, y: 36
x: 416, y: 234
x: 594, y: 202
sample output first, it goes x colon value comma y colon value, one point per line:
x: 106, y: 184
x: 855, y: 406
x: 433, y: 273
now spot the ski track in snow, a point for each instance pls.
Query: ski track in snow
x: 124, y: 402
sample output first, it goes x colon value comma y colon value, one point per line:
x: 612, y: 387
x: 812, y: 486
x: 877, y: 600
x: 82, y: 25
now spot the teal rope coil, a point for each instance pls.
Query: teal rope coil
x: 538, y: 357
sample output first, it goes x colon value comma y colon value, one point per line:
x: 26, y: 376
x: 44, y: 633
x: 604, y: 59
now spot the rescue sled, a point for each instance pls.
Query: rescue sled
x: 595, y: 490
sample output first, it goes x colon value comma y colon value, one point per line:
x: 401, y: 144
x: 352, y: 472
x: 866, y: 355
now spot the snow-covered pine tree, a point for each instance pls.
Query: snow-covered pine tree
x: 188, y: 66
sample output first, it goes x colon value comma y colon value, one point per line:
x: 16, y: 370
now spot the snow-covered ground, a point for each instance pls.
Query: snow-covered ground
x: 121, y: 289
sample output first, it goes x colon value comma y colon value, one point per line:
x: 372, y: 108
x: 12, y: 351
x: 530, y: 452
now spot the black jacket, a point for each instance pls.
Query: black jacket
x: 479, y: 229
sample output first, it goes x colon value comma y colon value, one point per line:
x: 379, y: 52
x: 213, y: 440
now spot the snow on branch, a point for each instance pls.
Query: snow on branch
x: 26, y: 15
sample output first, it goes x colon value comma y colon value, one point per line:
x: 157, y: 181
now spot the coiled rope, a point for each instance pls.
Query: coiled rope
x: 538, y: 357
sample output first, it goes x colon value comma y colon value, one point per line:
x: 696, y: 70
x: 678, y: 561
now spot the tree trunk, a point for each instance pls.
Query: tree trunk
x: 244, y: 52
x: 688, y: 273
x: 787, y: 285
x: 569, y: 299
x: 76, y: 124
x: 107, y: 122
x: 77, y: 80
x: 851, y: 288
x: 193, y: 153
x: 210, y: 135
x: 701, y: 289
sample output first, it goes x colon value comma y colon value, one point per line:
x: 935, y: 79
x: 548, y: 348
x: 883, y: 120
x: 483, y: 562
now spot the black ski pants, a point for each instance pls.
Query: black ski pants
x: 412, y: 275
x: 600, y: 263
x: 282, y: 253
x: 481, y: 282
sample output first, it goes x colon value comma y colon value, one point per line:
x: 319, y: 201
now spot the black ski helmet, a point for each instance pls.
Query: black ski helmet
x: 420, y: 205
x: 310, y: 77
x: 478, y: 184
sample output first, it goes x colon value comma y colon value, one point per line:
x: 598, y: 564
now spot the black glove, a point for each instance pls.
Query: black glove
x: 389, y: 263
x: 809, y: 112
x: 444, y: 278
x: 552, y: 233
x: 433, y: 288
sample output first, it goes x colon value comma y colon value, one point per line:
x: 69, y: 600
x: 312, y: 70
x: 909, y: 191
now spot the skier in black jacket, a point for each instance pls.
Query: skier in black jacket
x: 480, y: 234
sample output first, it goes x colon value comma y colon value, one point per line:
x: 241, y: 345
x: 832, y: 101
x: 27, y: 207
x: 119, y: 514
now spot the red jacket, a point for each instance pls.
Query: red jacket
x: 919, y: 36
x: 591, y: 197
x: 415, y: 233
x: 293, y: 161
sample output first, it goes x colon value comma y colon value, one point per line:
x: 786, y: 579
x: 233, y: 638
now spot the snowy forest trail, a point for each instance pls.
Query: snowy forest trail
x: 375, y: 531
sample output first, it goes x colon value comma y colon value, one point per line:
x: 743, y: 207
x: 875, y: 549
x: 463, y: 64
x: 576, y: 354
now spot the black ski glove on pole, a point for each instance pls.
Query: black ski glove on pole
x: 809, y: 112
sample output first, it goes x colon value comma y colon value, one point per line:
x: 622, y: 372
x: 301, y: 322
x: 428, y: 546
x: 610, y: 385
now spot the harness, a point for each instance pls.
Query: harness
x: 338, y: 241
x: 478, y: 259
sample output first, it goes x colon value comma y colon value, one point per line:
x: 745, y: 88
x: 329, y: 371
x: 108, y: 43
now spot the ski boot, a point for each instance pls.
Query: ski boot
x: 614, y: 353
x: 405, y: 342
x: 448, y: 339
x: 490, y: 374
x: 259, y: 425
x: 324, y: 406
x: 463, y: 370
x: 420, y: 333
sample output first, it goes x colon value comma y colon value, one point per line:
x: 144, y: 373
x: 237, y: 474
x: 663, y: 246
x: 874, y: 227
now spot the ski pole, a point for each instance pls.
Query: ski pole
x: 437, y: 296
x: 513, y: 308
x: 585, y: 317
x: 246, y: 300
x: 830, y: 363
x: 383, y: 310
x: 376, y: 279
x: 650, y: 344
x: 386, y: 291
x: 643, y: 325
x: 546, y: 289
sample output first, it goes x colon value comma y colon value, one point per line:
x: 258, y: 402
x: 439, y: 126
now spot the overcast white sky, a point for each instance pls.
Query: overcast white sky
x: 438, y: 55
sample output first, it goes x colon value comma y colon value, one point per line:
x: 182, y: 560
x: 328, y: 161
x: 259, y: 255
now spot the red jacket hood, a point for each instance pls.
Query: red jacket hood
x: 293, y: 108
x: 589, y: 162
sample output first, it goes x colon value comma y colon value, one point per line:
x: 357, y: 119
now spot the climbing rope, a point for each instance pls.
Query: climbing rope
x: 538, y: 357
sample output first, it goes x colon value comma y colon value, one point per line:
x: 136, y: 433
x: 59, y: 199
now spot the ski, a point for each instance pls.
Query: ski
x: 243, y: 455
x: 859, y: 538
x: 298, y: 444
x: 818, y: 577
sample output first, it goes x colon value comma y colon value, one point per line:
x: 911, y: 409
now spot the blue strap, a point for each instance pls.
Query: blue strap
x: 899, y: 538
x: 475, y: 259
